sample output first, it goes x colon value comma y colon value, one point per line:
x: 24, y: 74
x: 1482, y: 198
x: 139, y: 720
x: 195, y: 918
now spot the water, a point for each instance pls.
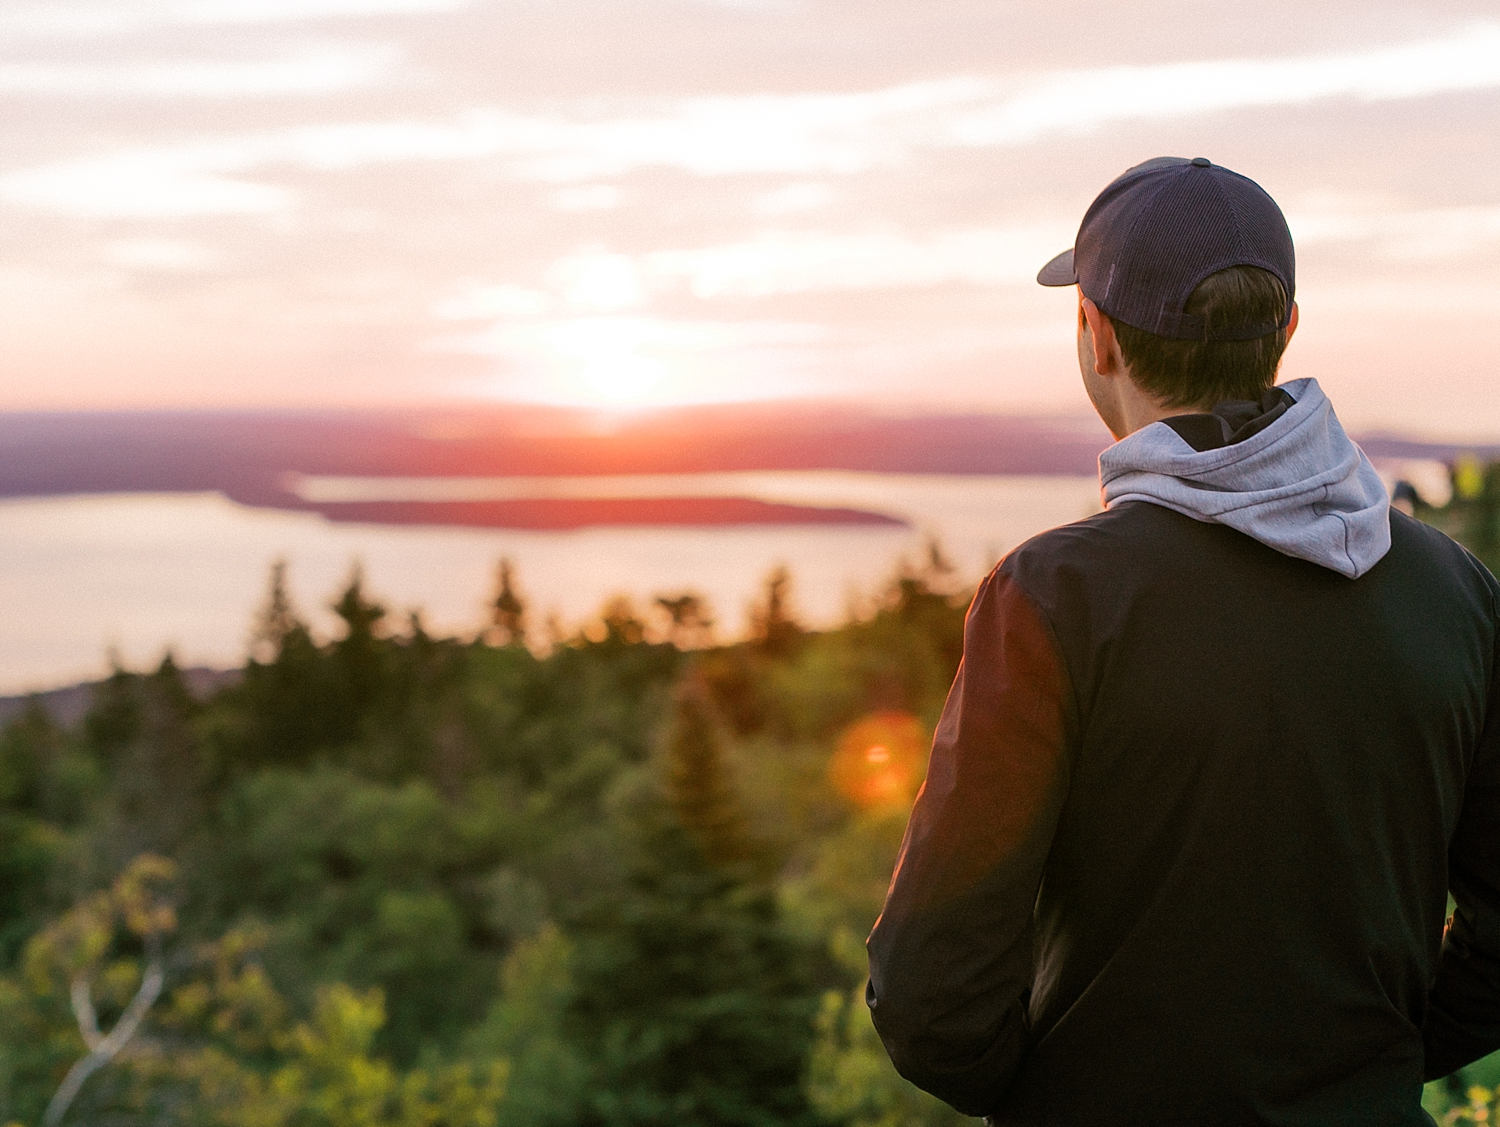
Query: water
x: 136, y: 574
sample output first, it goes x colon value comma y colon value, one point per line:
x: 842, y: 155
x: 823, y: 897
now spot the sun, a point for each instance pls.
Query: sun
x: 608, y: 360
x: 623, y: 379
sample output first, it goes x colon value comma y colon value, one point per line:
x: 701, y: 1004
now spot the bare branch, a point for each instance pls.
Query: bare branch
x: 103, y: 1050
x: 83, y: 1010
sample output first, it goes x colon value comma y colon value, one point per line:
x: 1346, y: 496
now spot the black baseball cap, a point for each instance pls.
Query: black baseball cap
x: 1162, y: 227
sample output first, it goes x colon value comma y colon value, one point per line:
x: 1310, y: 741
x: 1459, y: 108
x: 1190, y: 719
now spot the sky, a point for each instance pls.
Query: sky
x: 314, y: 203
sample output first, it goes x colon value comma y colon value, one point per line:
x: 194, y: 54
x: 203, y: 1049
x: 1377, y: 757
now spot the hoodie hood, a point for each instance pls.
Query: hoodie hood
x: 1298, y: 484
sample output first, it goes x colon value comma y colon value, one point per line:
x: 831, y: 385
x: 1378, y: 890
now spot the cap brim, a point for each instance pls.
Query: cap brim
x: 1059, y: 272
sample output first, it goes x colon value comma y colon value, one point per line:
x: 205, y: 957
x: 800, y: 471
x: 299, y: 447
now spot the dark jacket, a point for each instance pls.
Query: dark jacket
x: 1193, y: 811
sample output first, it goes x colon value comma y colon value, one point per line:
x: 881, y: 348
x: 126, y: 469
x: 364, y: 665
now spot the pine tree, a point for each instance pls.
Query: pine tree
x: 361, y: 614
x: 698, y: 785
x: 290, y: 692
x: 508, y: 610
x: 158, y: 784
x: 772, y: 623
x: 31, y: 751
x: 693, y: 1001
x: 357, y: 655
x: 277, y: 621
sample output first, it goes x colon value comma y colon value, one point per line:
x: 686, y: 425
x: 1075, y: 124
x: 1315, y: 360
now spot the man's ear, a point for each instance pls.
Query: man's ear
x: 1107, y: 357
x: 1291, y: 325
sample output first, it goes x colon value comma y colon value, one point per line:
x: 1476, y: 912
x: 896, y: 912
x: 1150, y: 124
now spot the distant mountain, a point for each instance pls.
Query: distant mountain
x: 249, y: 456
x: 246, y: 453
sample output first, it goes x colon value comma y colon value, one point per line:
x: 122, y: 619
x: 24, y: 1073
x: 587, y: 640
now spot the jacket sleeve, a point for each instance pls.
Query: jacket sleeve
x: 1463, y: 1009
x: 951, y: 959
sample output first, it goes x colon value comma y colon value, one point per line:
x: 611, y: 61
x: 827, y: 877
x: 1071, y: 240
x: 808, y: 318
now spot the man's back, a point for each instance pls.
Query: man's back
x: 1248, y: 879
x: 1261, y: 765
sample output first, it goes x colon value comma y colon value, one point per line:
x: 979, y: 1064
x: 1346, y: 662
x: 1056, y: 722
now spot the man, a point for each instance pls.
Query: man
x: 1215, y: 756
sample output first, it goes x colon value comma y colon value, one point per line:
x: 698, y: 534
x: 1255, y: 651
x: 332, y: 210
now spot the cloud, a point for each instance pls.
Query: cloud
x: 639, y: 358
x: 586, y: 197
x: 803, y: 195
x: 801, y: 135
x: 707, y: 136
x: 64, y: 20
x: 735, y: 135
x: 781, y: 263
x: 595, y: 280
x: 1074, y: 100
x: 143, y: 184
x: 158, y: 255
x: 476, y: 301
x: 1425, y: 234
x: 287, y: 11
x: 323, y: 70
x: 598, y: 281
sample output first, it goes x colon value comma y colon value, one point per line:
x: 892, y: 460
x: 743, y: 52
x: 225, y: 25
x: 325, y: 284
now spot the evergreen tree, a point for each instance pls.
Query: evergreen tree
x: 693, y: 999
x: 277, y: 621
x: 31, y: 748
x: 288, y: 701
x: 158, y: 785
x: 698, y: 786
x: 772, y: 623
x: 507, y: 610
x: 358, y: 658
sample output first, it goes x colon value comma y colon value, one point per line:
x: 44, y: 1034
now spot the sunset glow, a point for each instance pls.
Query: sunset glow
x: 356, y: 202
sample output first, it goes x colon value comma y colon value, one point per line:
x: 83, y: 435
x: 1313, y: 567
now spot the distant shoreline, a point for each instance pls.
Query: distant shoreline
x: 571, y: 514
x: 249, y: 456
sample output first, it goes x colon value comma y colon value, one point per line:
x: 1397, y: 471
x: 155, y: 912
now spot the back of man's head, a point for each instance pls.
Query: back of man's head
x: 1201, y: 373
x: 1193, y: 265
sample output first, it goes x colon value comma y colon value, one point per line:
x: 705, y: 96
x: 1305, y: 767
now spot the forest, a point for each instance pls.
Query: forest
x: 517, y: 879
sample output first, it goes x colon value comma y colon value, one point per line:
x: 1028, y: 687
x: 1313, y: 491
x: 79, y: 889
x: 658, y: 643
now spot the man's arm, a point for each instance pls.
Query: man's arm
x: 1463, y: 1009
x: 951, y: 955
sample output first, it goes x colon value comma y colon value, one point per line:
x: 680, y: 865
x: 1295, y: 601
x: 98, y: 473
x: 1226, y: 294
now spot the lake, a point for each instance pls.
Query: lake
x: 136, y: 574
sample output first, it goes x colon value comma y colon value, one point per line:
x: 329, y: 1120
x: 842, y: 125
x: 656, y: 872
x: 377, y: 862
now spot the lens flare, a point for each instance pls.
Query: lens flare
x: 879, y: 759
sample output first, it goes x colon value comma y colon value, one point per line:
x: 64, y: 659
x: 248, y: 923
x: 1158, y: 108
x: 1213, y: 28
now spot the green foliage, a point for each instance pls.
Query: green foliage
x: 326, y: 1077
x: 233, y: 1056
x: 526, y: 1026
x: 1477, y: 1104
x: 693, y: 1000
x: 1470, y: 1095
x: 354, y: 878
x: 852, y: 1081
x: 1472, y: 517
x: 900, y: 657
x: 698, y: 785
x: 405, y: 865
x: 82, y: 966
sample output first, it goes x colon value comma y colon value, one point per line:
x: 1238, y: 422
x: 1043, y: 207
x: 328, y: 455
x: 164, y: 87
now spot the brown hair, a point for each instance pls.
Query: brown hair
x: 1203, y: 373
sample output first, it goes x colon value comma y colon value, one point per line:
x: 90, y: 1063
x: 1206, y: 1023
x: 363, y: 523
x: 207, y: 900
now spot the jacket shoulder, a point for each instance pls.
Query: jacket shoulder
x: 1417, y: 546
x: 1102, y: 541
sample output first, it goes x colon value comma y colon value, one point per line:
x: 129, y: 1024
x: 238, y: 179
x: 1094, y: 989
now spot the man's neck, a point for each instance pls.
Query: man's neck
x: 1133, y: 408
x: 1142, y: 410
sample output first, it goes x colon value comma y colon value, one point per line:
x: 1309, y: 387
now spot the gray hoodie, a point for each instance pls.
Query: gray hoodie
x: 1299, y: 485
